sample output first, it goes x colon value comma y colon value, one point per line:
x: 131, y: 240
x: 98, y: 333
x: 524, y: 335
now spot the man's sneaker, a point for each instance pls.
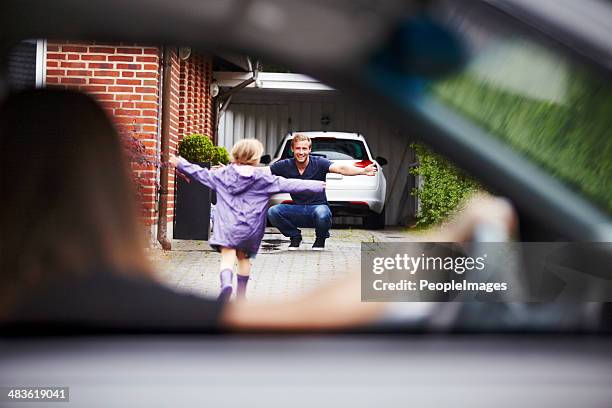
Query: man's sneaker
x: 319, y: 244
x: 295, y: 243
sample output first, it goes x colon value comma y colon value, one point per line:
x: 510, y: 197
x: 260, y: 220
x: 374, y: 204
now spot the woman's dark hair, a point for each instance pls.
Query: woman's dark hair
x: 67, y: 201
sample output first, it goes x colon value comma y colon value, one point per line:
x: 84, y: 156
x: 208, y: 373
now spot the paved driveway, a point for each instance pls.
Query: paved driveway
x: 276, y: 272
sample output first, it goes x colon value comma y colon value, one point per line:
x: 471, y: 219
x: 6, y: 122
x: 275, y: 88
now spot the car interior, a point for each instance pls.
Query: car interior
x: 517, y: 94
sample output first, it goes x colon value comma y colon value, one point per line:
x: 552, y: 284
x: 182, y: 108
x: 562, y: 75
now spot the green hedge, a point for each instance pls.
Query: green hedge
x: 443, y: 189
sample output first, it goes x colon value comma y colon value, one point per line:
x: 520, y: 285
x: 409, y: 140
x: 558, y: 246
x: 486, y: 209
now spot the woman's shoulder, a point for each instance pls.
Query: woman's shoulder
x: 109, y: 299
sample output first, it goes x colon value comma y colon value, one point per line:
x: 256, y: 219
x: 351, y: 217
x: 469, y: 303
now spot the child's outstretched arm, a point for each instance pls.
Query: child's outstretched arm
x: 194, y: 171
x: 284, y: 185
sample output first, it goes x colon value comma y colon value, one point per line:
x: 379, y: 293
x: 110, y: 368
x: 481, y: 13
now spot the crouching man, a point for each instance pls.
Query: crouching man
x: 309, y: 210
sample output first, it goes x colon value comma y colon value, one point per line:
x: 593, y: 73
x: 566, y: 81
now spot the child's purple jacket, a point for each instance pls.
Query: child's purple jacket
x: 242, y: 201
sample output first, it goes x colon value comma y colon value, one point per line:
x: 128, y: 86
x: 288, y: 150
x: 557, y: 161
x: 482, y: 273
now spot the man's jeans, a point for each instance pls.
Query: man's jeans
x: 288, y: 217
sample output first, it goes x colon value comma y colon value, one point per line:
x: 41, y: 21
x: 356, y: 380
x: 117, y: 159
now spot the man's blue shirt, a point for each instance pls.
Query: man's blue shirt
x: 317, y: 169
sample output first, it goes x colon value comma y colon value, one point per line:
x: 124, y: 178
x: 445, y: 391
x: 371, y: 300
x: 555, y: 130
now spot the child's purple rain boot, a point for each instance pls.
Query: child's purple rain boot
x: 242, y: 286
x: 226, y: 276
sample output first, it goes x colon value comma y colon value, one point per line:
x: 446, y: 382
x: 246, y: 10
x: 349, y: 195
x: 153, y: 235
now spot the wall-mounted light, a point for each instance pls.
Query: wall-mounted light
x: 214, y: 88
x: 325, y: 120
x: 184, y: 53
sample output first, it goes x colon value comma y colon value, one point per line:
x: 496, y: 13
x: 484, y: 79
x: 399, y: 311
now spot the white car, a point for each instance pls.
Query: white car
x: 361, y: 196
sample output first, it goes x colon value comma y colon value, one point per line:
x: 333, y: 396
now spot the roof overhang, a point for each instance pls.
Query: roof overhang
x: 271, y: 81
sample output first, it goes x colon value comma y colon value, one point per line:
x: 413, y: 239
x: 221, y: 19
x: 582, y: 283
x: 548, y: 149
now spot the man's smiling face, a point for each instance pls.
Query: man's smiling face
x: 301, y: 150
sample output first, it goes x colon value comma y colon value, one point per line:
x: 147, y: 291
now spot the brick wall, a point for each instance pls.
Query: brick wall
x: 126, y: 80
x: 195, y: 101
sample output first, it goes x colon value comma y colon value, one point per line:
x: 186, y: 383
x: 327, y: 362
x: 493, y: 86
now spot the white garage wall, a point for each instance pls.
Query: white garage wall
x: 268, y: 116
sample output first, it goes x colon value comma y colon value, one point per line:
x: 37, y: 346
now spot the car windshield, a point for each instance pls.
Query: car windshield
x: 551, y: 109
x: 333, y: 149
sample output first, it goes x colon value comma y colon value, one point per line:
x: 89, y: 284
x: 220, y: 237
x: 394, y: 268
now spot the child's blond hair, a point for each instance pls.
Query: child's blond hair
x: 247, y: 151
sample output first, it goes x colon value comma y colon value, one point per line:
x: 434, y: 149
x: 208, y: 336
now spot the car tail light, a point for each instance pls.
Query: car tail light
x: 287, y: 202
x: 363, y: 163
x: 358, y: 202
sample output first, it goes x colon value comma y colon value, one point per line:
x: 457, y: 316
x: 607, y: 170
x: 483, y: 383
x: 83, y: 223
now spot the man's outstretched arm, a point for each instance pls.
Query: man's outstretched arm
x: 352, y: 170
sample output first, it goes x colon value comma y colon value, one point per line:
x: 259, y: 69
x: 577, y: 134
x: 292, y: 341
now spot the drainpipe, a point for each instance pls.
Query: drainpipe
x: 162, y: 219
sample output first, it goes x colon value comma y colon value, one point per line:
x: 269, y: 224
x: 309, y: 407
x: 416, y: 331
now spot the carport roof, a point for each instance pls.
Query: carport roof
x: 271, y: 80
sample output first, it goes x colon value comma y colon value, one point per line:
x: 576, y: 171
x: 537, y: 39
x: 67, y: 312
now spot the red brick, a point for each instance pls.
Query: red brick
x: 52, y: 48
x: 73, y: 80
x: 128, y: 97
x: 127, y: 105
x: 52, y: 55
x: 78, y: 72
x: 66, y: 64
x: 129, y: 66
x: 148, y: 143
x: 74, y: 57
x: 52, y: 64
x: 149, y: 112
x: 150, y: 67
x: 127, y: 112
x: 121, y: 58
x: 149, y: 82
x: 106, y: 73
x: 129, y: 50
x: 101, y: 81
x: 147, y: 59
x: 127, y: 74
x: 92, y: 57
x: 72, y: 48
x: 149, y: 90
x: 145, y: 121
x: 103, y: 50
x: 120, y: 89
x: 52, y: 80
x: 56, y: 72
x: 146, y: 74
x: 146, y: 105
x: 100, y: 65
x: 151, y: 51
x: 129, y: 82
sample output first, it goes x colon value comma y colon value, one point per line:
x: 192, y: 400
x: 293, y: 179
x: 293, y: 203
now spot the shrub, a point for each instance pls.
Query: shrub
x: 221, y: 155
x: 443, y: 189
x: 197, y: 148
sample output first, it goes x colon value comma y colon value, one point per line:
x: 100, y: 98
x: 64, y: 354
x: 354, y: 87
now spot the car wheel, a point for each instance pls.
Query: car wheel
x: 375, y: 221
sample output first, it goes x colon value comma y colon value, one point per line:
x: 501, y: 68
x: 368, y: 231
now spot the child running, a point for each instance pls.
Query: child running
x: 243, y: 191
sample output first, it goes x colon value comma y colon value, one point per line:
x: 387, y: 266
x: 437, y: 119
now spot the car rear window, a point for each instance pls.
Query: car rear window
x: 333, y: 149
x: 539, y: 101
